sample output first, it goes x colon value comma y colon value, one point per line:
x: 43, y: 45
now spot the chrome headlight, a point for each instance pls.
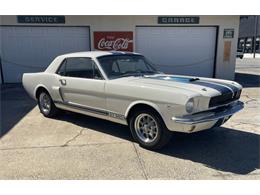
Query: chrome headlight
x: 190, y: 105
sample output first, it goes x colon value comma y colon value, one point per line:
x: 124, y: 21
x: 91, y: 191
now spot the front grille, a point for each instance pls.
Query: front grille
x: 224, y: 99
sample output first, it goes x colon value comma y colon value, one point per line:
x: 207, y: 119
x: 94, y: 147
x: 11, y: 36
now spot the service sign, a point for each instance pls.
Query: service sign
x: 41, y: 19
x: 121, y: 41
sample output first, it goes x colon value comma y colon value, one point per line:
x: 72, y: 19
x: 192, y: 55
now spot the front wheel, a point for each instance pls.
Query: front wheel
x: 149, y: 130
x: 46, y: 105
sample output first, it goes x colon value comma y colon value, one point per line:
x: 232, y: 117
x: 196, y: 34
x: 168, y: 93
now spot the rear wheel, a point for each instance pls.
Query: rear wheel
x: 149, y: 130
x: 46, y: 105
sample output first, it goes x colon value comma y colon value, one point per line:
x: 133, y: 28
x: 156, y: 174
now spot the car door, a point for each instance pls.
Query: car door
x: 81, y: 84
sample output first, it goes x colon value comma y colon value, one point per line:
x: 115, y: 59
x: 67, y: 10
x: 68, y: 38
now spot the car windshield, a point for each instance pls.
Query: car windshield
x: 116, y: 66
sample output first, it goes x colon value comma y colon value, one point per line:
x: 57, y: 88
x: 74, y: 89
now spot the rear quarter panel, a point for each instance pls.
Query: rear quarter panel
x: 32, y: 81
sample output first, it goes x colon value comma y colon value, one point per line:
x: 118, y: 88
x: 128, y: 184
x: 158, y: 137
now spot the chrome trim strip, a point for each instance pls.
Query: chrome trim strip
x: 193, y: 119
x: 93, y: 110
x: 88, y: 109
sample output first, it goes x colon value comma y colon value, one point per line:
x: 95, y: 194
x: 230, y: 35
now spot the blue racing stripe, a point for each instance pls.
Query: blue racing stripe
x: 234, y: 88
x: 221, y: 89
x: 217, y: 86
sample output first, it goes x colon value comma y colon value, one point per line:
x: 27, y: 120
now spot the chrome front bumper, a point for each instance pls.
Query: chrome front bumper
x: 207, y: 119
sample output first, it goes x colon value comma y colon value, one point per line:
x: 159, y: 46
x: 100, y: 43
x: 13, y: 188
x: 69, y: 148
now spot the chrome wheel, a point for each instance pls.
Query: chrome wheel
x: 45, y: 103
x: 146, y: 128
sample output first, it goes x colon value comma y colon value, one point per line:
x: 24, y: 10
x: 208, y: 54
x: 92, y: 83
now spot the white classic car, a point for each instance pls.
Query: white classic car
x: 126, y: 88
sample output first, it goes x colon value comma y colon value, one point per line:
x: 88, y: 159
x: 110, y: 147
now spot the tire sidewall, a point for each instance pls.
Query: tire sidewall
x: 159, y: 124
x: 51, y: 105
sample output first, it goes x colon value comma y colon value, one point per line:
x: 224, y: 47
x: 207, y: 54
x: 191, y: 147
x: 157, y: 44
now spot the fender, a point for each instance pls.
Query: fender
x: 153, y: 105
x: 37, y: 87
x: 53, y: 89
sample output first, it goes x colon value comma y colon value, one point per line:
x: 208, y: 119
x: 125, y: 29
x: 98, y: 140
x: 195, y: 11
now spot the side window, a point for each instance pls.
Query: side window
x: 97, y: 74
x: 62, y: 68
x: 80, y: 68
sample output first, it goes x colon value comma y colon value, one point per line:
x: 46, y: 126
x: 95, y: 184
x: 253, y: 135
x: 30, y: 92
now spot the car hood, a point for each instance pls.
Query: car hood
x: 203, y: 86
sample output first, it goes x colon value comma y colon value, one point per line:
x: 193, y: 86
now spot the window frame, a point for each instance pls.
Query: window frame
x: 64, y: 62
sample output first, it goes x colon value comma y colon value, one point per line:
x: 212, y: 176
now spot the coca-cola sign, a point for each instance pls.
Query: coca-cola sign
x: 121, y: 41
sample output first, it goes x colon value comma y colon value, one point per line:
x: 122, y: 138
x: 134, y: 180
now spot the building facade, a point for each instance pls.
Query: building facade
x: 248, y: 29
x: 189, y: 45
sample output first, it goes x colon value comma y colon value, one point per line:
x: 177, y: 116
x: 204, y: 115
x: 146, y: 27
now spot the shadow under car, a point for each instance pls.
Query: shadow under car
x: 224, y: 149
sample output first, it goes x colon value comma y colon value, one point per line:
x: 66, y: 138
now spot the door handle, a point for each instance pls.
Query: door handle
x: 63, y: 81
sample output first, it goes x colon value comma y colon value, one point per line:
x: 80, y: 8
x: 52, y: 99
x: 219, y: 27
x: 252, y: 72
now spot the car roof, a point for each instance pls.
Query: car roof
x: 95, y: 54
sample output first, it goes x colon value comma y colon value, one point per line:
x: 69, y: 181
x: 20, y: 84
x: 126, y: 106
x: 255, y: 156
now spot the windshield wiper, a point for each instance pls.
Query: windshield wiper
x: 131, y: 74
x: 149, y: 72
x: 140, y: 73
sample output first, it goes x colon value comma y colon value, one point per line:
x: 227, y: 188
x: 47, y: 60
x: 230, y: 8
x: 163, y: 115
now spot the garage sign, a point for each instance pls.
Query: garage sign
x: 121, y: 41
x: 178, y: 20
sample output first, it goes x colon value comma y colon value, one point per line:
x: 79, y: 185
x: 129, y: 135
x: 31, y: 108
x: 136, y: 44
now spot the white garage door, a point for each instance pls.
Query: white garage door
x: 31, y: 49
x: 179, y: 50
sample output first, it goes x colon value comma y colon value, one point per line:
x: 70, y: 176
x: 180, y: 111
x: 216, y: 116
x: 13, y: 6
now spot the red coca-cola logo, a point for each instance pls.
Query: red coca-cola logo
x: 122, y: 41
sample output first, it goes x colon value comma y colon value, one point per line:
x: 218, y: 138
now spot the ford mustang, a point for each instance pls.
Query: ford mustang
x: 126, y: 88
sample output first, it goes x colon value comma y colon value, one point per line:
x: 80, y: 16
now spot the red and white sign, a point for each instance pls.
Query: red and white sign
x: 121, y: 41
